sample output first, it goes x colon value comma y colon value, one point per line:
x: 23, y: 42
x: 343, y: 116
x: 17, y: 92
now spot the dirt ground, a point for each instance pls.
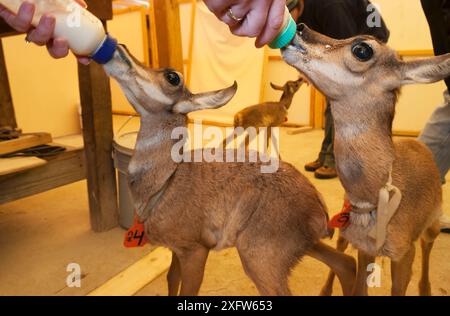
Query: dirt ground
x: 42, y: 234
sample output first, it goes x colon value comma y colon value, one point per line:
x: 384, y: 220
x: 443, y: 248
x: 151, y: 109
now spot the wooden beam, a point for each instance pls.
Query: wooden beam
x: 153, y: 37
x: 137, y: 276
x: 95, y: 96
x: 405, y: 133
x: 19, y: 164
x: 24, y: 141
x: 168, y: 30
x: 101, y: 9
x: 62, y: 169
x: 7, y: 116
x: 191, y: 43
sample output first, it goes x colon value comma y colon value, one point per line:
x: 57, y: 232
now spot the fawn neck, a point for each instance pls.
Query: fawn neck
x: 152, y: 165
x: 286, y: 99
x: 364, y: 148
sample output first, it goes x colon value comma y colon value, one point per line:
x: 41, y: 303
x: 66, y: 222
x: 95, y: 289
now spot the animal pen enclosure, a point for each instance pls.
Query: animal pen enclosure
x: 60, y: 207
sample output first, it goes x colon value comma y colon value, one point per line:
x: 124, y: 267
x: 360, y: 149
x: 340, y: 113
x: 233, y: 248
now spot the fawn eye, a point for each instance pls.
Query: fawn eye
x: 173, y: 78
x: 362, y: 51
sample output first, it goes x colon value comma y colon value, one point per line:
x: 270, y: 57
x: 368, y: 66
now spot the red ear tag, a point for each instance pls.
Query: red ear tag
x: 341, y: 220
x: 286, y: 119
x: 135, y: 236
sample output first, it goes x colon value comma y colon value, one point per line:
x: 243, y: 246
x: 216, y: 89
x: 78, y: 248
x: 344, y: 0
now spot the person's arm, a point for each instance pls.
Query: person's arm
x: 43, y: 33
x: 261, y: 18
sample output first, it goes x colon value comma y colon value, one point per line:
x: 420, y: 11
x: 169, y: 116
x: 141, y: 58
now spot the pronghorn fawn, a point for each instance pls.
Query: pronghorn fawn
x: 194, y: 207
x: 393, y: 187
x: 268, y: 114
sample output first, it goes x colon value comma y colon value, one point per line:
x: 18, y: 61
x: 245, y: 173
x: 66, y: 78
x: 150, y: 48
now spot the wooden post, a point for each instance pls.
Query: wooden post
x: 96, y: 106
x: 168, y: 30
x: 7, y: 116
x: 95, y: 97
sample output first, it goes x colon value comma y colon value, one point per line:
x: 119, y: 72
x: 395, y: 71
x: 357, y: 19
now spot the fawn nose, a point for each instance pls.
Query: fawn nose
x: 301, y: 28
x: 122, y: 50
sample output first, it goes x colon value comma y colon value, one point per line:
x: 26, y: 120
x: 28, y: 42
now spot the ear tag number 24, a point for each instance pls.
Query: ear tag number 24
x: 135, y: 236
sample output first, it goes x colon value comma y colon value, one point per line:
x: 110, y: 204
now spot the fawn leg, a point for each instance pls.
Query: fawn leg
x: 401, y: 272
x: 269, y: 139
x: 270, y: 274
x: 427, y: 242
x: 174, y: 276
x: 364, y: 260
x: 341, y: 264
x: 327, y: 289
x: 192, y: 264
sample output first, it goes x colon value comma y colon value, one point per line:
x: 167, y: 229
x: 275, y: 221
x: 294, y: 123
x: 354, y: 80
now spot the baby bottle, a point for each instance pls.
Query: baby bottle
x: 287, y: 32
x: 83, y: 31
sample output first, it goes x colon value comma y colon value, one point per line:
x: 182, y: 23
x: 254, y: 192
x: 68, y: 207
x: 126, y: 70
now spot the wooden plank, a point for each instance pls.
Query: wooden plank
x: 300, y: 130
x: 137, y: 276
x: 95, y: 97
x: 264, y: 75
x: 168, y: 30
x: 153, y: 37
x: 62, y: 169
x: 191, y: 43
x: 19, y: 164
x: 24, y: 141
x: 405, y: 133
x: 7, y: 116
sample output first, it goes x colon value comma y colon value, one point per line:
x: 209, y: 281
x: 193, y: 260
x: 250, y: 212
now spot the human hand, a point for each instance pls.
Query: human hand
x: 261, y: 18
x: 42, y: 34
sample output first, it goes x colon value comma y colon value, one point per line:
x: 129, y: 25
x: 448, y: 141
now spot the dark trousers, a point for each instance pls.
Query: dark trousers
x: 438, y: 17
x: 326, y: 156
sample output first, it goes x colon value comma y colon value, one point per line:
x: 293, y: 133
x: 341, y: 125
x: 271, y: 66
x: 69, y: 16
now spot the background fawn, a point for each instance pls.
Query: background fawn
x: 362, y: 77
x: 268, y: 114
x: 192, y: 208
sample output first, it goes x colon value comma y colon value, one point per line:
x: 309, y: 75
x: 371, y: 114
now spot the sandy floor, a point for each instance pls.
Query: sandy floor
x: 41, y: 235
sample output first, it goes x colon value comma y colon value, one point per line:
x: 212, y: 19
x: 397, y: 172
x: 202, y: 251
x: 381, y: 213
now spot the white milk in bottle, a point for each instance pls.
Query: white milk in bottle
x: 83, y: 31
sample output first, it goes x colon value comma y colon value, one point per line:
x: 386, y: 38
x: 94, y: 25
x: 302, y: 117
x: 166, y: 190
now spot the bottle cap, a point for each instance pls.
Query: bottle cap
x: 105, y: 51
x: 286, y: 36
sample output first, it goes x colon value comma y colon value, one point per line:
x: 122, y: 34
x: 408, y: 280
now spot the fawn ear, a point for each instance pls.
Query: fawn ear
x: 207, y: 100
x: 427, y: 70
x: 276, y: 87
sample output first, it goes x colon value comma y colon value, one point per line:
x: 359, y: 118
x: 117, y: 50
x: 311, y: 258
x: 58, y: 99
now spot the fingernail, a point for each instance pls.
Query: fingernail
x: 48, y: 21
x: 28, y: 7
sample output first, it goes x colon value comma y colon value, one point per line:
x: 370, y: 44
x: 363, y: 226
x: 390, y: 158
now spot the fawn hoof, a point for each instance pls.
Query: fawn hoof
x: 326, y: 291
x: 424, y: 288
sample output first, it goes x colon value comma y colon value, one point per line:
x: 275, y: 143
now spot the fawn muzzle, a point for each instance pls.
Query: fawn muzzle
x: 123, y: 55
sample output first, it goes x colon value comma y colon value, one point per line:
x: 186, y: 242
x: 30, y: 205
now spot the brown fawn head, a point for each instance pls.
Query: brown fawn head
x: 290, y: 87
x: 341, y: 68
x: 153, y: 91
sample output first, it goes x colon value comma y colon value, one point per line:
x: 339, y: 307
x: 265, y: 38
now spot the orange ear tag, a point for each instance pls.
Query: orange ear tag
x: 286, y: 119
x: 135, y: 236
x: 341, y: 220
